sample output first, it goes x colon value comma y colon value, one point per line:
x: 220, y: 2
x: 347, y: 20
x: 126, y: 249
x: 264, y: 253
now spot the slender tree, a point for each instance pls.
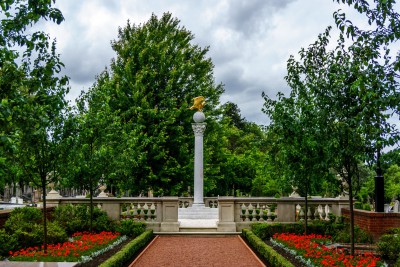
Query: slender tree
x: 32, y: 91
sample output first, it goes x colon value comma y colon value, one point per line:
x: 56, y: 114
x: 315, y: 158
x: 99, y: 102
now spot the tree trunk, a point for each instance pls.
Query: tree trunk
x: 91, y: 207
x: 44, y: 214
x: 306, y: 210
x: 351, y: 214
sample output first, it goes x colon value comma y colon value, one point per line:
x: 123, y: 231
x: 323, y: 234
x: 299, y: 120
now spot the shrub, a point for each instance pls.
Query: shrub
x: 266, y: 252
x: 342, y: 235
x: 131, y: 228
x: 8, y: 243
x: 76, y: 218
x: 23, y: 219
x: 126, y: 254
x: 388, y: 246
x: 34, y: 236
x: 101, y: 221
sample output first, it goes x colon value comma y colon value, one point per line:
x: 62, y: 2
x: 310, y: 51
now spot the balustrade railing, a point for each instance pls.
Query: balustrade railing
x: 139, y: 211
x: 235, y: 213
x: 186, y: 202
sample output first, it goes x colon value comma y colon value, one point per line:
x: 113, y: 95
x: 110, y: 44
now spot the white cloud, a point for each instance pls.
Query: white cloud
x: 250, y: 40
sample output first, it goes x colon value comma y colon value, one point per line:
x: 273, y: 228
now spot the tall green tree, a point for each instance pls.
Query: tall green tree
x: 150, y: 86
x: 377, y: 61
x: 32, y: 91
x: 353, y: 93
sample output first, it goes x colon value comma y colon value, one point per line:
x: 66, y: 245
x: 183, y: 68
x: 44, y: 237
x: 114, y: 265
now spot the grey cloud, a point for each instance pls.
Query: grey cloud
x: 249, y: 17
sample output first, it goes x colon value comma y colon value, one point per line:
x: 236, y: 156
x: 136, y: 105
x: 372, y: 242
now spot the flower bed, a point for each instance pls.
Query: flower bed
x: 81, y: 248
x: 311, y: 250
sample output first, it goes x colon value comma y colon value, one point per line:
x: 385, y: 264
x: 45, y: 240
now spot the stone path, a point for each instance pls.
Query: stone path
x: 197, y: 251
x: 36, y: 264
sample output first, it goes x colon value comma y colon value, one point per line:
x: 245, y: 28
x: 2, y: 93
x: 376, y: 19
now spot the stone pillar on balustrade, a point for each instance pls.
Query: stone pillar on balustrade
x: 226, y: 214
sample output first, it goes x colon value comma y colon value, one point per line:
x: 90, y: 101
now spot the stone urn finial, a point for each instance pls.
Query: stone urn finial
x: 102, y: 189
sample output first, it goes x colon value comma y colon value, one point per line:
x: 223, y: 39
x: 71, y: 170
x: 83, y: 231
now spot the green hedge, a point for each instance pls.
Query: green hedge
x: 268, y: 253
x: 126, y: 254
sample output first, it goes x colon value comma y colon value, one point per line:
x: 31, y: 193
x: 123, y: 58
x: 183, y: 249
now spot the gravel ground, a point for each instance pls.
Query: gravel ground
x: 197, y: 251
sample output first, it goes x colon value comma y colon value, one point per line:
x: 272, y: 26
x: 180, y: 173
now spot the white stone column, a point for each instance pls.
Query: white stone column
x: 198, y: 128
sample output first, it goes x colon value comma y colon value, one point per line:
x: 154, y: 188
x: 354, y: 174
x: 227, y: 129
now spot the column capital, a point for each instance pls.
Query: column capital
x: 199, y: 128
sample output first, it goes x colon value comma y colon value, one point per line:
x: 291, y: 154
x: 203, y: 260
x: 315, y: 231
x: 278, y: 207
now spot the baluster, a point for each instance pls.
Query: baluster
x: 254, y: 213
x: 327, y: 211
x: 301, y: 214
x: 153, y: 212
x: 243, y: 208
x: 147, y: 216
x: 247, y: 214
x: 142, y: 215
x: 128, y: 213
x: 269, y: 215
x: 323, y: 214
x: 298, y: 208
x: 309, y: 214
x: 250, y: 211
x: 261, y: 214
x: 316, y: 214
x: 138, y: 211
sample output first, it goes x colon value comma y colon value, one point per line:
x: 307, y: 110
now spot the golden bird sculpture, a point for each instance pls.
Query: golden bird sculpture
x: 198, y: 103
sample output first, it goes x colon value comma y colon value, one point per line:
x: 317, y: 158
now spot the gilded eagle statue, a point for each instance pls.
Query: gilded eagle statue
x: 198, y: 103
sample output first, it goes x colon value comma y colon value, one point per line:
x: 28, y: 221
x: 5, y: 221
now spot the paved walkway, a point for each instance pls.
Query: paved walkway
x: 36, y: 264
x: 197, y: 251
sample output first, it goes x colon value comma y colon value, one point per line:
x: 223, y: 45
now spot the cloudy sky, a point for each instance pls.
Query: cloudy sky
x: 250, y: 40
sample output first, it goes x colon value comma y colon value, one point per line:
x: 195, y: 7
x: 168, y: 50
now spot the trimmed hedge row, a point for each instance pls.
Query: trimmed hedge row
x: 267, y: 252
x: 128, y: 251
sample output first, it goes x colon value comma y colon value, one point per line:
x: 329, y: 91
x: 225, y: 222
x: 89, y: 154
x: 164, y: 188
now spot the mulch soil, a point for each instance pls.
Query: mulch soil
x: 103, y: 257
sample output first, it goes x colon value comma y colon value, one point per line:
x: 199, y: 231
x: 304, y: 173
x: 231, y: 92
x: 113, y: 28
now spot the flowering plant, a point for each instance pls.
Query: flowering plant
x: 311, y: 250
x: 81, y: 247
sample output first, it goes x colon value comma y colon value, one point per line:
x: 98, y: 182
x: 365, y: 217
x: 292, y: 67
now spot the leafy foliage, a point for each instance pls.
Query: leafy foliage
x: 388, y: 246
x: 32, y: 92
x: 24, y: 227
x: 131, y: 228
x: 76, y: 218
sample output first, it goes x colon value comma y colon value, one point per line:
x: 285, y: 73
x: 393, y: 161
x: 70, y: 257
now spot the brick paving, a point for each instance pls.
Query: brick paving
x: 197, y: 251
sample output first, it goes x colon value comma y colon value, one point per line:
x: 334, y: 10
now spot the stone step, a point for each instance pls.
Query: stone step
x: 197, y: 230
x: 198, y: 233
x: 198, y: 225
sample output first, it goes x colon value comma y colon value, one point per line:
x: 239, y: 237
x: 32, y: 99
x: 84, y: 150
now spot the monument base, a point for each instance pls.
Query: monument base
x: 197, y: 211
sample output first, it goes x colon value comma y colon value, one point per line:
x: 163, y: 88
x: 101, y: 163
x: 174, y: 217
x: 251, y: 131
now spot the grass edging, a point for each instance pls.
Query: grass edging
x: 265, y: 251
x: 128, y: 251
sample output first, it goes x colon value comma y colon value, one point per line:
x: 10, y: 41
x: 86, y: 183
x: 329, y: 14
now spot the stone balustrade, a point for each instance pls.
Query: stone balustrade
x: 160, y: 214
x: 235, y: 213
x: 185, y: 202
x: 238, y: 213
